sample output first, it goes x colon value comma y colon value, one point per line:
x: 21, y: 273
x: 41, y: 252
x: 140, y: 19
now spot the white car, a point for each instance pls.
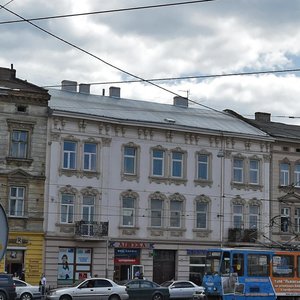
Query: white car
x: 26, y: 291
x: 92, y: 288
x: 184, y: 289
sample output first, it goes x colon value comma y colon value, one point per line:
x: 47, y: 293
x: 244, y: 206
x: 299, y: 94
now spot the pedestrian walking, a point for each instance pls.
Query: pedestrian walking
x: 42, y: 285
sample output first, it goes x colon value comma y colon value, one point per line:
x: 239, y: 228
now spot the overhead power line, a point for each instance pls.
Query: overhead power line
x: 104, y: 61
x: 106, y: 11
x: 190, y: 77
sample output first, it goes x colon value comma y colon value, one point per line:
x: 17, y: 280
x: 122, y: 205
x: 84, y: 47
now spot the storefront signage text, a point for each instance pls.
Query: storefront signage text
x: 137, y: 245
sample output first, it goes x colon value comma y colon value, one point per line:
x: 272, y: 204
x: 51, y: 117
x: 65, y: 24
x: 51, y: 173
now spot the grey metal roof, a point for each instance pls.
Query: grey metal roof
x: 121, y: 109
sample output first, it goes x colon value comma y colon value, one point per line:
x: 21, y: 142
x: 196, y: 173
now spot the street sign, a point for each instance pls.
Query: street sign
x: 3, y: 232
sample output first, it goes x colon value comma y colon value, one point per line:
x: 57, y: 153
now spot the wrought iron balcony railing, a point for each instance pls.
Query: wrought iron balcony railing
x: 91, y: 229
x: 242, y: 235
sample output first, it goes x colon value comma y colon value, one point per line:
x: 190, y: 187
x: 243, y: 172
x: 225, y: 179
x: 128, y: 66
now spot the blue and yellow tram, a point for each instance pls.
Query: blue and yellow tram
x: 252, y: 274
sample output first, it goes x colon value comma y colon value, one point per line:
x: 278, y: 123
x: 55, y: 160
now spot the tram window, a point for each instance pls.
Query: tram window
x: 298, y: 266
x: 238, y: 264
x: 225, y: 266
x: 283, y: 266
x: 258, y: 265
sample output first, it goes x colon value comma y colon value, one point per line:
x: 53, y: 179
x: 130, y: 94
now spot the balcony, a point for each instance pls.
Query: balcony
x: 90, y: 230
x: 242, y: 235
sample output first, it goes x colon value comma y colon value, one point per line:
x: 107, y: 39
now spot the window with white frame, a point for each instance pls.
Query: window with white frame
x: 202, y: 166
x: 158, y: 162
x: 69, y: 159
x: 284, y: 174
x: 201, y: 214
x: 238, y: 215
x: 238, y: 170
x: 16, y: 201
x: 19, y: 144
x: 254, y: 171
x: 156, y: 212
x: 285, y: 219
x: 67, y: 208
x: 297, y: 175
x: 177, y: 164
x: 297, y: 219
x: 175, y: 213
x: 90, y: 157
x: 128, y: 211
x: 130, y: 160
x: 88, y: 212
x: 254, y: 216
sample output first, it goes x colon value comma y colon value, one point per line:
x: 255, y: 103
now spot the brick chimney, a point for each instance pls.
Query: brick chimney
x: 262, y: 117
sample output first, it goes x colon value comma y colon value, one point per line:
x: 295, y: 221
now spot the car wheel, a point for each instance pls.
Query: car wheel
x: 2, y: 296
x: 26, y: 296
x: 114, y: 297
x: 65, y: 297
x: 157, y: 297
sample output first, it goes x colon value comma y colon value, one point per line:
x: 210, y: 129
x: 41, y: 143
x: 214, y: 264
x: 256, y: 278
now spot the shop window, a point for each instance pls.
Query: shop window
x: 74, y: 264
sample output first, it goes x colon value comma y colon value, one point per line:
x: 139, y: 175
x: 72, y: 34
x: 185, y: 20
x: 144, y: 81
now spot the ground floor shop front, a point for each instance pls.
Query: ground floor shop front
x: 67, y: 261
x: 24, y: 256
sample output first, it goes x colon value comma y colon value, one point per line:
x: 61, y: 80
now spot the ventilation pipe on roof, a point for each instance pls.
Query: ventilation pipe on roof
x: 69, y: 86
x: 263, y: 117
x: 114, y: 92
x: 180, y: 101
x: 84, y: 88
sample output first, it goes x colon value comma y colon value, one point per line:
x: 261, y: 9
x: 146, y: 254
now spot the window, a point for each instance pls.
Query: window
x: 202, y: 167
x: 297, y: 175
x: 283, y: 266
x: 67, y: 208
x: 285, y: 219
x: 90, y: 157
x: 88, y: 211
x: 19, y: 144
x: 177, y: 164
x: 129, y: 160
x: 284, y: 174
x: 16, y: 201
x: 238, y: 263
x: 128, y: 207
x: 254, y: 171
x: 238, y: 216
x: 175, y: 213
x: 69, y: 155
x: 158, y: 165
x: 258, y: 265
x: 201, y: 215
x: 297, y: 219
x: 156, y: 212
x: 238, y: 170
x: 253, y: 216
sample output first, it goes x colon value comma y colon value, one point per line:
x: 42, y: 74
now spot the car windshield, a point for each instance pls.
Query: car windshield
x: 166, y: 283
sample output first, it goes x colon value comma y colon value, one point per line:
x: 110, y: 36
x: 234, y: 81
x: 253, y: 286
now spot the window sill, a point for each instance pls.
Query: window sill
x: 17, y: 217
x: 203, y: 182
x: 19, y: 161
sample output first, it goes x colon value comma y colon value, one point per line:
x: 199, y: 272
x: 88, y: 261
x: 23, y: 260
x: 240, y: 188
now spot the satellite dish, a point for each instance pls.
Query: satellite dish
x: 3, y: 232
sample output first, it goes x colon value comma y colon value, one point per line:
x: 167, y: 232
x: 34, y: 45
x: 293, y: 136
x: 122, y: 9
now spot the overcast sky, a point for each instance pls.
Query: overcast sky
x: 206, y: 38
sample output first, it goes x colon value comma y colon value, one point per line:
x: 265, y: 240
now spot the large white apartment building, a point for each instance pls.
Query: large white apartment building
x: 135, y: 184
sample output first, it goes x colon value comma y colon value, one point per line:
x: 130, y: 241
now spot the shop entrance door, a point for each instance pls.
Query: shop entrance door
x: 163, y: 265
x: 14, y: 262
